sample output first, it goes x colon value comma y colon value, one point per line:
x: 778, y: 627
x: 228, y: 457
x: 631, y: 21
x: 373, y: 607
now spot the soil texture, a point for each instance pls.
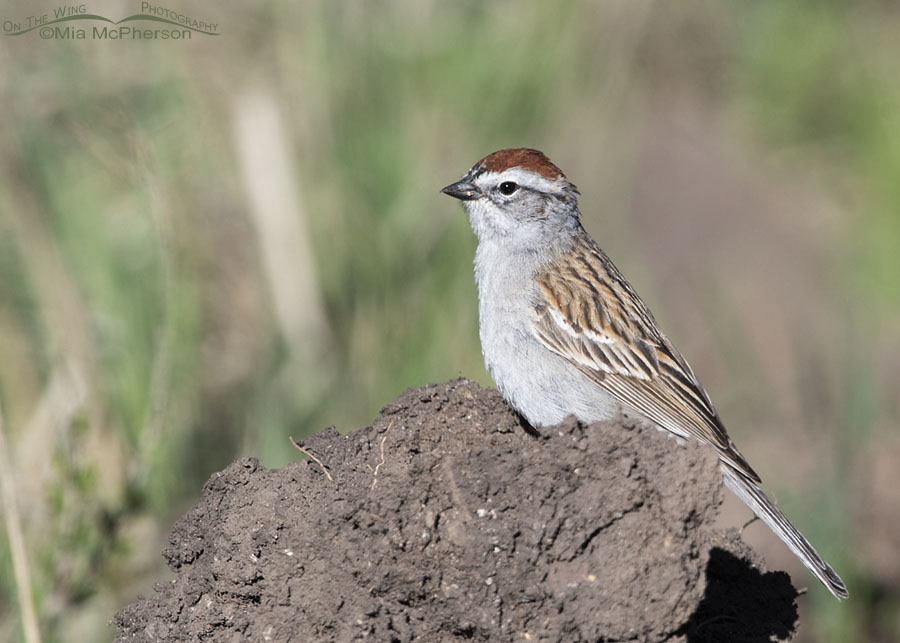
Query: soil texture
x: 446, y: 520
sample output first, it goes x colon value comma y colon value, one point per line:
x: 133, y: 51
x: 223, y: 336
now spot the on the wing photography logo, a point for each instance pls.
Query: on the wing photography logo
x: 73, y: 22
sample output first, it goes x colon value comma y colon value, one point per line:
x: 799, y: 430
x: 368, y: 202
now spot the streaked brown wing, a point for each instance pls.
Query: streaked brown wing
x: 591, y: 317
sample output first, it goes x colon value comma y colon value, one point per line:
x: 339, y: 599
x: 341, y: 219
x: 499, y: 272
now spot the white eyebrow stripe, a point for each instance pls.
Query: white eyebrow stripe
x: 524, y: 178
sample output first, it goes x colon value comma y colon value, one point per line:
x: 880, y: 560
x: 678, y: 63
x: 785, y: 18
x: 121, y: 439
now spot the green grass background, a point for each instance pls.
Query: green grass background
x: 141, y: 348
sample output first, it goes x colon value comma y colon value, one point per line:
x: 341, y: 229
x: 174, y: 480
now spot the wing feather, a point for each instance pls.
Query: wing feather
x: 603, y: 328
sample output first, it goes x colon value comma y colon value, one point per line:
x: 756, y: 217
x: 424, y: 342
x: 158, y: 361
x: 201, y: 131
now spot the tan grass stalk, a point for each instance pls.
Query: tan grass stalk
x: 17, y: 543
x: 262, y: 142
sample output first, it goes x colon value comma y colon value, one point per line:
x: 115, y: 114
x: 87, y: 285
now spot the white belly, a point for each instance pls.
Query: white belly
x: 539, y: 384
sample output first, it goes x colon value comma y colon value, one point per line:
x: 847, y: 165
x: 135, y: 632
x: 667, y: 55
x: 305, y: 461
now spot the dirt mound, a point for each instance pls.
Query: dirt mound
x: 446, y: 521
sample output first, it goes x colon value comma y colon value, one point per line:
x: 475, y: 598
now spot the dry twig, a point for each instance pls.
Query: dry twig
x: 311, y: 457
x: 378, y: 466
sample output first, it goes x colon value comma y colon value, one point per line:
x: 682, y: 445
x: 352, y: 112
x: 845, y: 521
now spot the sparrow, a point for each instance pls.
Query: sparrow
x: 564, y: 333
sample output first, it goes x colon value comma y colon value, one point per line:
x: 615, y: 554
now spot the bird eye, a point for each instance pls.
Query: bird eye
x: 508, y: 187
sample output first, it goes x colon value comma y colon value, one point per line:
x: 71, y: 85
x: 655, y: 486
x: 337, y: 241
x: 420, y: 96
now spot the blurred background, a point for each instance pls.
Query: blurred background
x: 209, y: 245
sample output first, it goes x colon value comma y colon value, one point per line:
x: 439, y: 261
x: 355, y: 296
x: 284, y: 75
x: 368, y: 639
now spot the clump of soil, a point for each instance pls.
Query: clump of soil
x: 446, y: 521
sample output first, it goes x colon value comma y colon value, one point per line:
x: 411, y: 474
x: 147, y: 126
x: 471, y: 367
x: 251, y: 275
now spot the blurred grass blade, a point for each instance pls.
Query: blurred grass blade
x: 266, y: 169
x: 17, y: 543
x: 64, y: 396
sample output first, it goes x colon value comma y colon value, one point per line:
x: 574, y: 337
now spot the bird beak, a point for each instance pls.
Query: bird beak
x: 462, y: 190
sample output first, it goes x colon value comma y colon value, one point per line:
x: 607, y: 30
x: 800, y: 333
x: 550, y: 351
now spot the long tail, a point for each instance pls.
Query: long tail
x: 753, y: 497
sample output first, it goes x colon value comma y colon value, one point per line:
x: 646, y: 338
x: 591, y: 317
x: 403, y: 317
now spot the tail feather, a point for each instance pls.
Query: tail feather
x: 753, y: 497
